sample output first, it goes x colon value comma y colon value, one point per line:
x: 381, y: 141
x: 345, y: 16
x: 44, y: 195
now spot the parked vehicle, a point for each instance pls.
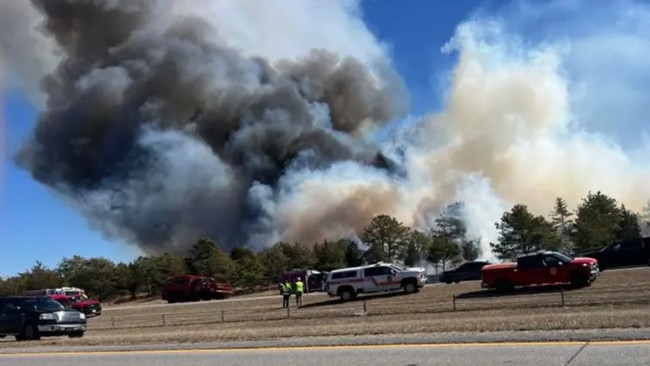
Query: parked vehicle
x: 185, y: 288
x: 630, y: 252
x: 541, y: 268
x: 72, y: 297
x: 468, y: 271
x: 33, y: 317
x: 347, y: 283
x: 89, y: 307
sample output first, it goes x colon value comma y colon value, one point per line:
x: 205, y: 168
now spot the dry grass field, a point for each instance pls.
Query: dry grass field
x: 618, y: 299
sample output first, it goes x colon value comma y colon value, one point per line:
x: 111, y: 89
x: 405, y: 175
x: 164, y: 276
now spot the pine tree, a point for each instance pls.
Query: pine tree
x: 562, y: 223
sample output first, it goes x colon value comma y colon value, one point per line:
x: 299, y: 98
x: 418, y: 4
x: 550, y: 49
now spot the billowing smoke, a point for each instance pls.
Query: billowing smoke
x: 171, y: 120
x: 165, y: 133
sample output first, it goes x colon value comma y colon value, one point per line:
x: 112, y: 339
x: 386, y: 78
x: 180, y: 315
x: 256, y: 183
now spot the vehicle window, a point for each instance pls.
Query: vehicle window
x: 464, y: 267
x: 614, y: 247
x: 373, y: 271
x: 563, y: 257
x: 6, y: 305
x: 632, y: 244
x: 476, y: 266
x: 532, y: 261
x: 42, y: 304
x: 346, y: 274
x: 551, y: 260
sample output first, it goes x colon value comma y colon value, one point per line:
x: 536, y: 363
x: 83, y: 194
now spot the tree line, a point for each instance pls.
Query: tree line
x: 596, y: 222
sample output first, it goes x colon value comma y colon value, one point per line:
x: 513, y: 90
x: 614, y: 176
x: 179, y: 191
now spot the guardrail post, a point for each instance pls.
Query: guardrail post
x: 365, y: 308
x: 112, y: 322
x: 222, y: 316
x: 562, y: 295
x: 288, y: 312
x: 453, y: 301
x: 163, y: 320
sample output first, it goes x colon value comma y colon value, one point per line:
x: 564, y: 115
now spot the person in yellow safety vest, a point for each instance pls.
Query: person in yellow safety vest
x: 300, y: 287
x: 286, y: 294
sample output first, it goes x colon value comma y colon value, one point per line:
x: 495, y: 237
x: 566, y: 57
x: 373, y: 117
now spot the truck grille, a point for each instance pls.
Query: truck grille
x: 67, y: 316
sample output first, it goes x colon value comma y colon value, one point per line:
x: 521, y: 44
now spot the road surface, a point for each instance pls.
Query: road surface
x: 621, y: 353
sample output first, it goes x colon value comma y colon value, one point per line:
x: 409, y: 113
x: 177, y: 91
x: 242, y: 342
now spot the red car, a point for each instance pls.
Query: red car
x: 71, y: 297
x: 87, y: 306
x: 541, y: 268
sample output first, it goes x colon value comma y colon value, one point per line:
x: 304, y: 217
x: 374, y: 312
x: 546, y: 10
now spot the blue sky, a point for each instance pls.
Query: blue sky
x: 36, y: 225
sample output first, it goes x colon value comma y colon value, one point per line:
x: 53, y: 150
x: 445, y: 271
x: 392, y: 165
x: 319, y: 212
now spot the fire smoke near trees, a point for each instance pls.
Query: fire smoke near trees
x: 167, y: 121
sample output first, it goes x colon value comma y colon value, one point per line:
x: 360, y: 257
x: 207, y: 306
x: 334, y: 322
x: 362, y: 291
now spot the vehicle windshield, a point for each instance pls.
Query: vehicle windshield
x: 398, y: 268
x: 42, y: 305
x: 73, y: 293
x: 564, y: 257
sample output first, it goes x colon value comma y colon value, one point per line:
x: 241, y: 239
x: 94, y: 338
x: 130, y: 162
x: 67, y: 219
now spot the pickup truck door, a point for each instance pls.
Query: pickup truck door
x: 531, y: 271
x: 631, y: 252
x: 555, y: 270
x: 379, y: 278
x: 10, y: 318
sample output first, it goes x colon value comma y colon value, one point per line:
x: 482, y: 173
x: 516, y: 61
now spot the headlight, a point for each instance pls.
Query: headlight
x: 46, y: 316
x: 82, y: 315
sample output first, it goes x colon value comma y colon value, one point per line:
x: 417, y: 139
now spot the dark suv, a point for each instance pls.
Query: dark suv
x: 469, y: 271
x: 30, y: 317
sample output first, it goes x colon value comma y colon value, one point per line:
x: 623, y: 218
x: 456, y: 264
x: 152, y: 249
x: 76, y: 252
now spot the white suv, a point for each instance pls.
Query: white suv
x: 347, y: 283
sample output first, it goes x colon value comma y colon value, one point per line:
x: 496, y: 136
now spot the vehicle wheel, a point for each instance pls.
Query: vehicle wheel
x: 578, y: 280
x: 346, y: 295
x: 30, y: 333
x: 410, y: 287
x: 503, y: 286
x: 448, y: 282
x: 2, y: 336
x: 76, y: 335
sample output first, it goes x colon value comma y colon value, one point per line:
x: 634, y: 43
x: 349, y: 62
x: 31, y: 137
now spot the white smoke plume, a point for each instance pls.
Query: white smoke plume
x: 257, y: 133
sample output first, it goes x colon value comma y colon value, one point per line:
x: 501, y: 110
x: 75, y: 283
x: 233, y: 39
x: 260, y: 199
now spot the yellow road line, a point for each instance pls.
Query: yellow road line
x: 343, y: 347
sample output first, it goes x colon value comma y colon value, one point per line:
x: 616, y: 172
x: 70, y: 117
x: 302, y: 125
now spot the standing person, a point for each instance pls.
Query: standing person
x: 286, y: 294
x: 299, y: 290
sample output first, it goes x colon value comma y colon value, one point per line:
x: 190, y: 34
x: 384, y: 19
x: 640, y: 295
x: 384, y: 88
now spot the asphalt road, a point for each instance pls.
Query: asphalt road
x: 486, y: 354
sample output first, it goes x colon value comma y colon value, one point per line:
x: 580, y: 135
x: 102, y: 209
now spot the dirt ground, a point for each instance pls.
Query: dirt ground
x: 617, y: 299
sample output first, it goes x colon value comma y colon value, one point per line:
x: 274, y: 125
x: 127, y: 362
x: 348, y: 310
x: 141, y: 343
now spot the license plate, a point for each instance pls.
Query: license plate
x: 94, y: 311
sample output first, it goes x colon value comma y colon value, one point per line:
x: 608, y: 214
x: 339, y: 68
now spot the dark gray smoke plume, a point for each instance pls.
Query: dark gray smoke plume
x: 159, y: 136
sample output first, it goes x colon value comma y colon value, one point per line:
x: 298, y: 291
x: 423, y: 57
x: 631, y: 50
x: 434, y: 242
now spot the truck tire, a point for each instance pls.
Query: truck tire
x: 579, y: 280
x: 76, y: 335
x: 409, y: 286
x: 503, y: 285
x: 346, y: 294
x: 29, y: 333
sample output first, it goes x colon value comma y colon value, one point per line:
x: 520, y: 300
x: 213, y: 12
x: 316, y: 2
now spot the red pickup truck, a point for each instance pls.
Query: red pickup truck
x: 541, y: 268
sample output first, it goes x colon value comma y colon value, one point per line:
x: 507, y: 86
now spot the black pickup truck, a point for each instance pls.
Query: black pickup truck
x: 624, y: 253
x: 33, y: 317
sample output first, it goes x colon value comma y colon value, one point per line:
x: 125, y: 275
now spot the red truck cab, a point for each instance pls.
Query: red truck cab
x: 541, y: 268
